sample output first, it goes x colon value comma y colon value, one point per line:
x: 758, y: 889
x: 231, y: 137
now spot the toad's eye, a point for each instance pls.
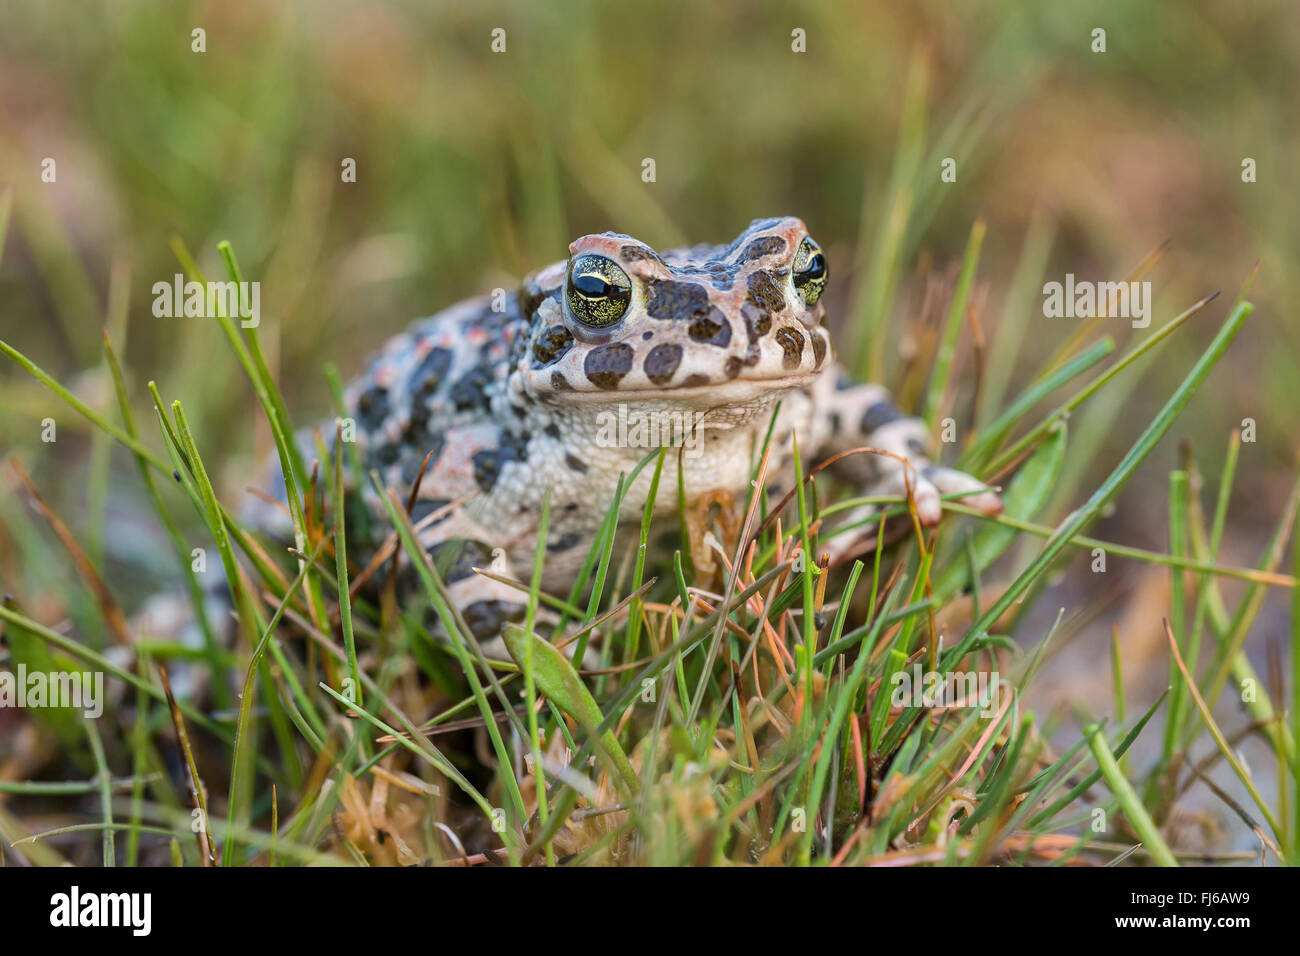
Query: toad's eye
x: 810, y: 271
x: 599, y: 291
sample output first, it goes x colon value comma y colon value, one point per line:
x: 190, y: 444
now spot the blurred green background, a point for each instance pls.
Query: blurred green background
x: 475, y: 167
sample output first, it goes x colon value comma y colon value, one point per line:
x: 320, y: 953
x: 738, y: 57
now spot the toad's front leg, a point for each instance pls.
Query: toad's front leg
x: 848, y: 415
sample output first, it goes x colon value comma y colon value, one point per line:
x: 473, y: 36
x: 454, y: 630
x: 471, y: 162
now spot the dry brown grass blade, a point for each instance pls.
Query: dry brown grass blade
x: 108, y: 605
x: 389, y: 547
x: 1215, y: 732
x: 1240, y: 811
x: 207, y: 853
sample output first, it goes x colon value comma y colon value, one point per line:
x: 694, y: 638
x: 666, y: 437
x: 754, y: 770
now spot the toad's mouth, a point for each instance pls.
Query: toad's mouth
x: 723, y: 391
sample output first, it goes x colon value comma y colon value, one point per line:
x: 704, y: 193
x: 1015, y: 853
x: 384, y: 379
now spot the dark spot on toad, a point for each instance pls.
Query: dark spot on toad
x: 791, y: 343
x: 692, y: 381
x: 765, y: 293
x: 470, y: 390
x: 489, y: 462
x: 711, y: 329
x: 457, y: 558
x: 559, y: 383
x: 878, y: 416
x: 428, y: 375
x: 372, y: 407
x: 552, y: 430
x: 661, y: 363
x: 417, y: 425
x: 486, y: 619
x: 606, y: 365
x: 762, y: 246
x: 427, y: 506
x: 819, y: 349
x: 564, y: 542
x: 551, y: 345
x: 529, y: 299
x: 732, y: 367
x: 575, y: 463
x: 532, y: 297
x: 670, y: 299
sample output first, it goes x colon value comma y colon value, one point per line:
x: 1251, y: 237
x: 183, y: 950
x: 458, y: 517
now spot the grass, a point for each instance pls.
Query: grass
x: 742, y: 716
x: 757, y: 726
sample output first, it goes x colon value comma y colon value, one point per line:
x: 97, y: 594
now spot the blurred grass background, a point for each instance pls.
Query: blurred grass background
x: 474, y: 168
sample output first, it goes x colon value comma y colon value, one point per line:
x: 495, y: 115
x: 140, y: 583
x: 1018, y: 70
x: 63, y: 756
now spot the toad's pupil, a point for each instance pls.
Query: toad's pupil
x: 592, y: 286
x: 815, y: 269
